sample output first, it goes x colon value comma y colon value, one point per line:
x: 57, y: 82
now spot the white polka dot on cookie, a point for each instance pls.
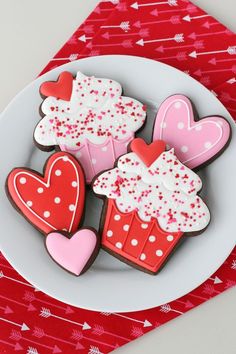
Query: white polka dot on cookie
x: 58, y: 172
x: 184, y: 148
x: 143, y: 257
x: 177, y: 105
x: 71, y: 207
x: 57, y: 200
x: 119, y: 245
x: 126, y: 227
x: 22, y: 180
x: 170, y: 238
x: 159, y: 253
x: 117, y: 217
x: 134, y: 242
x: 109, y: 233
x: 144, y: 226
x: 207, y: 144
x: 180, y: 125
x: 152, y: 238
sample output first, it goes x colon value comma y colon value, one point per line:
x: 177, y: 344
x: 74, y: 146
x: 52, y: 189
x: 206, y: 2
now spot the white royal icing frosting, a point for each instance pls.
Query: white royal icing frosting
x: 166, y: 190
x: 96, y: 111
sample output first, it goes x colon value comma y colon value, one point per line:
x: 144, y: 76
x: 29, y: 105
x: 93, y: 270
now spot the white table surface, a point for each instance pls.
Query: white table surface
x: 30, y: 34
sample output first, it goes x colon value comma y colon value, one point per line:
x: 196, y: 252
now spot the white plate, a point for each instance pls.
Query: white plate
x: 110, y: 285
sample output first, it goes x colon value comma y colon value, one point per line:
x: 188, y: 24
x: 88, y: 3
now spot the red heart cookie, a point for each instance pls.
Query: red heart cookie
x: 51, y: 202
x: 62, y: 88
x: 147, y: 153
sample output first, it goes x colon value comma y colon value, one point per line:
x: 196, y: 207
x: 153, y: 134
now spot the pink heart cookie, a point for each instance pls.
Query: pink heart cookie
x: 75, y: 254
x: 195, y: 142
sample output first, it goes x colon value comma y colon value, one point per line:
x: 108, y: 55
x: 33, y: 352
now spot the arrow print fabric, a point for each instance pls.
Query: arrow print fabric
x: 180, y: 34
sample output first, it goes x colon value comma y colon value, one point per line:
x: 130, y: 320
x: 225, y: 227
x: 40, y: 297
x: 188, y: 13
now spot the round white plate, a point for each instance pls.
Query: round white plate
x: 110, y: 285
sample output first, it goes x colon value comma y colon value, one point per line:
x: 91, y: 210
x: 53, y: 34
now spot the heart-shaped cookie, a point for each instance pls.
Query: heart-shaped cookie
x: 51, y: 202
x: 147, y: 153
x: 62, y: 88
x: 195, y: 142
x: 74, y: 254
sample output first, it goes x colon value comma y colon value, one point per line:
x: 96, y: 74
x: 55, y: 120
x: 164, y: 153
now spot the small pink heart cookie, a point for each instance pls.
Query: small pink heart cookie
x: 195, y: 142
x: 76, y: 253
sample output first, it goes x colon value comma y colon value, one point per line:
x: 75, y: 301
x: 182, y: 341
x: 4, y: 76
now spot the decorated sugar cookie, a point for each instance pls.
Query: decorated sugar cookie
x: 89, y: 118
x: 54, y: 204
x: 52, y: 201
x: 74, y: 253
x: 196, y: 142
x: 151, y: 202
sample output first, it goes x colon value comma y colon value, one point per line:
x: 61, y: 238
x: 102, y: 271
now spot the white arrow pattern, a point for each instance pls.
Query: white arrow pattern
x: 188, y: 18
x: 47, y: 313
x: 216, y: 280
x: 114, y: 2
x: 84, y: 38
x: 2, y: 275
x: 22, y: 326
x: 167, y: 308
x: 179, y: 38
x: 137, y: 5
x: 230, y: 50
x: 94, y: 350
x: 125, y: 26
x: 72, y: 57
x: 232, y: 81
x: 145, y: 323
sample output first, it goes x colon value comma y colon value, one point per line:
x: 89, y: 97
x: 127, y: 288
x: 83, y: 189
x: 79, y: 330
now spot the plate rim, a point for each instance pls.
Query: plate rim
x: 60, y: 68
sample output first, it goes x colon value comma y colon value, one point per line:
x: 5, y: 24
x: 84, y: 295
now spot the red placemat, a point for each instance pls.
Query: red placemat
x: 182, y: 35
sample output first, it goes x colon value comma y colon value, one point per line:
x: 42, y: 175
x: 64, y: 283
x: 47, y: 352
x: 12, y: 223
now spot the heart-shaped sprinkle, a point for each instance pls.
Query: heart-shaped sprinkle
x: 73, y: 254
x: 147, y: 153
x: 62, y: 88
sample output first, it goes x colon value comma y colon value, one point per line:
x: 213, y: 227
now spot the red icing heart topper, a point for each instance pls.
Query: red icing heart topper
x: 62, y: 88
x: 51, y: 202
x: 148, y: 153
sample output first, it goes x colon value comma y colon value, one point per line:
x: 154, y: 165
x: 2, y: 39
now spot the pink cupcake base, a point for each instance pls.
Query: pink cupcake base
x: 143, y: 244
x: 96, y: 158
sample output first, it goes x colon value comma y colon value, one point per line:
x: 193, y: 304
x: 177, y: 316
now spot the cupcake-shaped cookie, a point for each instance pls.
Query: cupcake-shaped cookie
x: 89, y: 118
x: 152, y: 201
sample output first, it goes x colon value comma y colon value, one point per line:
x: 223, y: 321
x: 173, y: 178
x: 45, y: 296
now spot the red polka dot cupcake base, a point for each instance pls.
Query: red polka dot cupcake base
x: 141, y: 244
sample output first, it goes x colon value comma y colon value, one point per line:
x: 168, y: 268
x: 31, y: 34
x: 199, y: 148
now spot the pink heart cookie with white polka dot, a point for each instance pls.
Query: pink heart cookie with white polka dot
x: 195, y: 142
x: 51, y: 202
